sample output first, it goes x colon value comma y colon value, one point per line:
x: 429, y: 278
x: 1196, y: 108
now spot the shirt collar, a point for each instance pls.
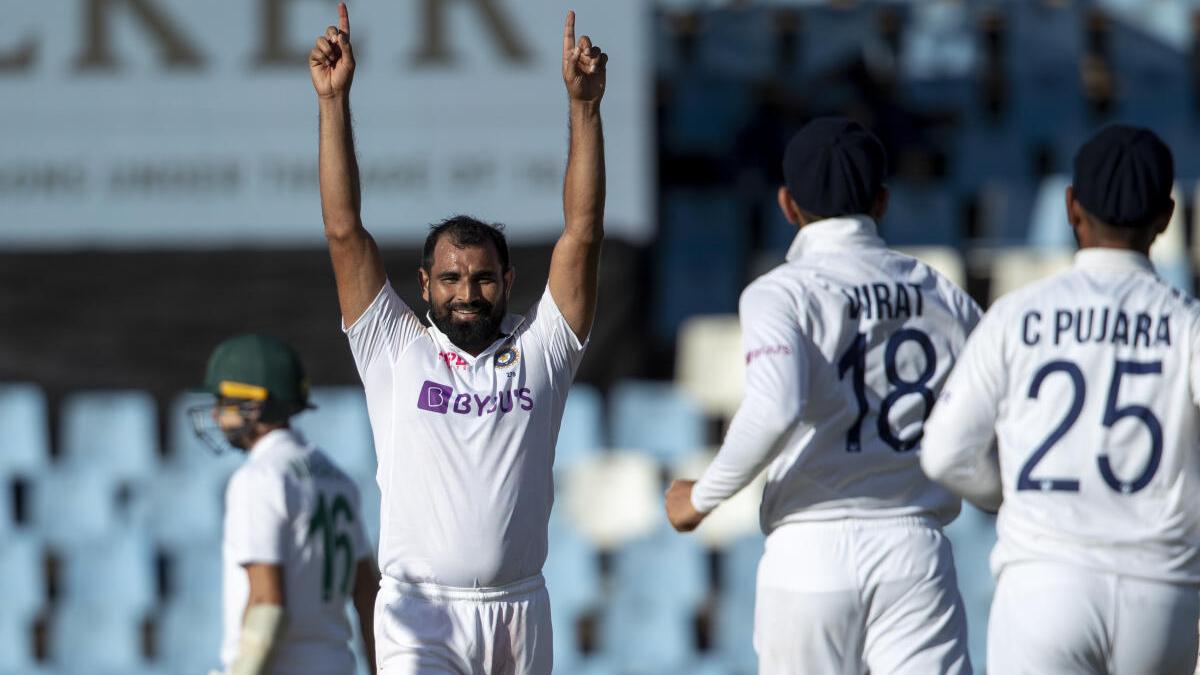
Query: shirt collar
x: 835, y: 233
x: 1112, y: 260
x: 508, y: 326
x: 277, y: 438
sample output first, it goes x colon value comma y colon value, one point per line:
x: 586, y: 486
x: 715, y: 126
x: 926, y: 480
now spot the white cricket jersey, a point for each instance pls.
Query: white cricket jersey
x: 847, y: 345
x: 289, y: 505
x: 1090, y: 382
x: 465, y: 443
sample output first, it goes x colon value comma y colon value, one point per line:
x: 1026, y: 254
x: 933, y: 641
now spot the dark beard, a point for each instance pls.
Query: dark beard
x: 474, y: 335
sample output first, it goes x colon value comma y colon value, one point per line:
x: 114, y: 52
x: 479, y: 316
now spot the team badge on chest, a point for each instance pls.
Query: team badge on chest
x: 507, y: 357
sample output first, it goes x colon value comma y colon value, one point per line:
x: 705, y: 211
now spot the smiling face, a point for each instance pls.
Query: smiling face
x: 467, y: 291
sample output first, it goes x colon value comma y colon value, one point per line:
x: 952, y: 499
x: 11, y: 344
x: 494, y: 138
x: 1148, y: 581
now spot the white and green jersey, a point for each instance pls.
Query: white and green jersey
x: 289, y: 505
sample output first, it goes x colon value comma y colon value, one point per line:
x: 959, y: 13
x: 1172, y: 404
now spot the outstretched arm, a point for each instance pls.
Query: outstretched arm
x: 357, y: 266
x: 575, y: 265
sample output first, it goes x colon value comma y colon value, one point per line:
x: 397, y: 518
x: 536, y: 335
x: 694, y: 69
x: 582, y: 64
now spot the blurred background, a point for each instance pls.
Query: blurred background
x: 158, y: 194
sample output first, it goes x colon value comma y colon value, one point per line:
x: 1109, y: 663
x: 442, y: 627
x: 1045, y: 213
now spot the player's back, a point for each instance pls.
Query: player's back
x: 883, y: 331
x: 290, y: 505
x: 1098, y: 428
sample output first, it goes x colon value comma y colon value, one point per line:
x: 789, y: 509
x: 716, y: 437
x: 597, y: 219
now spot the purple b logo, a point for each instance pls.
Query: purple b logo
x: 435, y: 397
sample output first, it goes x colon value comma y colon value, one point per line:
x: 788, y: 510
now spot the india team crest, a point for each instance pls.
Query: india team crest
x: 507, y: 357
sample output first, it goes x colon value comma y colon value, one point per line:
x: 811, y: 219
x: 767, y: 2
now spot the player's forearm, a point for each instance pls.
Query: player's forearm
x: 755, y: 437
x: 262, y: 627
x: 338, y: 167
x: 584, y: 185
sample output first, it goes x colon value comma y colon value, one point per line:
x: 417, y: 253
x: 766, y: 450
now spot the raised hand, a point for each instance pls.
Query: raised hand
x: 331, y: 62
x: 584, y: 65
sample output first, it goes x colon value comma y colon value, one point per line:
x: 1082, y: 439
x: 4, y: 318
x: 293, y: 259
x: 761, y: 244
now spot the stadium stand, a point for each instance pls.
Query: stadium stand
x: 657, y: 418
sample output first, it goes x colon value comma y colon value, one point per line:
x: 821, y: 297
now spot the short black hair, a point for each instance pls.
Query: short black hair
x: 466, y: 231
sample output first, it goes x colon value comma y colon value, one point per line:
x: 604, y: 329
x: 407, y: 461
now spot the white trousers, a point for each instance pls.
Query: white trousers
x: 422, y: 629
x: 1056, y: 618
x: 857, y: 596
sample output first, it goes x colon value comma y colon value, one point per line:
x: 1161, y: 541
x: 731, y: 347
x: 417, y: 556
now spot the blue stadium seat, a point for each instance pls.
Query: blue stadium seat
x: 16, y: 644
x: 582, y: 431
x: 183, y: 507
x: 778, y: 233
x: 1049, y: 228
x: 657, y: 417
x: 703, y: 245
x: 983, y: 154
x: 189, y: 637
x: 114, y: 433
x: 341, y: 428
x: 8, y: 516
x: 24, y: 430
x: 734, y: 629
x: 710, y: 664
x: 195, y: 573
x: 972, y: 535
x: 76, y: 507
x: 1145, y: 68
x: 658, y: 582
x: 832, y: 37
x: 705, y: 114
x: 938, y: 56
x: 738, y: 42
x: 22, y: 578
x: 572, y: 573
x: 921, y: 215
x: 117, y: 575
x: 1044, y: 43
x: 1005, y: 211
x: 87, y: 639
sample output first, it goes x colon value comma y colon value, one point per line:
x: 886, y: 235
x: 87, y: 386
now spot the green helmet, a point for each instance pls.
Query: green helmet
x: 259, y: 368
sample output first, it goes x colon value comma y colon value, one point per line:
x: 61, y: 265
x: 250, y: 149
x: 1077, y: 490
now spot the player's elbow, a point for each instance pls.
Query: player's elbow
x: 936, y: 465
x: 341, y: 229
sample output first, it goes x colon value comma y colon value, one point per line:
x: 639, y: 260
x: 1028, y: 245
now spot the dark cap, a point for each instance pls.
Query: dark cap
x: 1123, y: 176
x: 834, y: 167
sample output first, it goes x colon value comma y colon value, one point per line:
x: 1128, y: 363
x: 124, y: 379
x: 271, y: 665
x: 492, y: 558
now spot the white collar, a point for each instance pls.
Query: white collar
x: 835, y: 233
x: 1112, y: 260
x: 277, y: 438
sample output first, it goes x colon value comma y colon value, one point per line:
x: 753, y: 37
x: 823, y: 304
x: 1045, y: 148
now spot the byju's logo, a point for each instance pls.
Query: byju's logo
x: 435, y: 397
x: 440, y: 399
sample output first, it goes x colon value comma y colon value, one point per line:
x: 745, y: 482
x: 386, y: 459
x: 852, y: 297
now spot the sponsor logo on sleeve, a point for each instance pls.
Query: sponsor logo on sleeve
x: 773, y: 350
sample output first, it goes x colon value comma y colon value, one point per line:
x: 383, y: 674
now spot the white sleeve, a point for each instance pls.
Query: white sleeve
x: 382, y: 333
x: 958, y: 446
x: 1193, y: 337
x: 776, y: 392
x: 256, y: 521
x: 563, y: 347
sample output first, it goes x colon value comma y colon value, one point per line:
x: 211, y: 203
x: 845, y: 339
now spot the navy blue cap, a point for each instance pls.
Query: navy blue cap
x: 834, y: 167
x: 1123, y: 176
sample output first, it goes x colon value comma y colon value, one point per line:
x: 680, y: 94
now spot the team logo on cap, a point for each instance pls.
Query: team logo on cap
x: 507, y: 357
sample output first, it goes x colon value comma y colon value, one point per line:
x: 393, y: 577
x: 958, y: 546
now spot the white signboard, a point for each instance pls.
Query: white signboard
x: 177, y: 123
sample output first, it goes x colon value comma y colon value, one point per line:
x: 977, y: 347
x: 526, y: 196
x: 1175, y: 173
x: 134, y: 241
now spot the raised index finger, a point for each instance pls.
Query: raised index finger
x: 343, y: 18
x: 569, y: 34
